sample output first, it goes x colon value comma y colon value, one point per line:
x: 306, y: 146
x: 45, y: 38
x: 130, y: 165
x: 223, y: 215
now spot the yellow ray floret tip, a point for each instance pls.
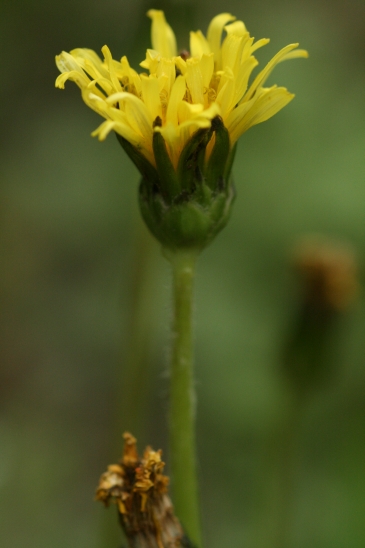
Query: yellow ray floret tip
x: 162, y: 36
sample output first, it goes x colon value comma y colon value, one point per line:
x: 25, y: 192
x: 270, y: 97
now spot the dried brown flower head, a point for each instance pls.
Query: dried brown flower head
x: 139, y: 488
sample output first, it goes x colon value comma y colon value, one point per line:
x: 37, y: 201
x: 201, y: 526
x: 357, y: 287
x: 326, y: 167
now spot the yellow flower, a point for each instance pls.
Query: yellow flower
x: 183, y: 93
x: 180, y: 120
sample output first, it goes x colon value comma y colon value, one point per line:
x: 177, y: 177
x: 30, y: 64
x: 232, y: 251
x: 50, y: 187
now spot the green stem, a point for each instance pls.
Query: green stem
x: 182, y: 397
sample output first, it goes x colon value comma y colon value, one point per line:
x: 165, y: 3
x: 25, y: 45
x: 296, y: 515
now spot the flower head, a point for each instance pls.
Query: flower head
x: 140, y: 490
x: 185, y: 92
x: 180, y: 120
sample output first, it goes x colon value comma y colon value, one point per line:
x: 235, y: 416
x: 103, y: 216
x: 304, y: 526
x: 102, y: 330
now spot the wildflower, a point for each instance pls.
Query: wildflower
x: 180, y: 122
x: 139, y: 489
x: 328, y: 276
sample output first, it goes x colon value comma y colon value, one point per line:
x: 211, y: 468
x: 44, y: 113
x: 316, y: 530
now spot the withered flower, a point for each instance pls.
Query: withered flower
x: 140, y: 490
x: 329, y: 284
x: 329, y: 272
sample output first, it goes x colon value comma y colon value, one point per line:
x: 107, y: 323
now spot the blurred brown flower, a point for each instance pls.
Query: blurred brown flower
x: 329, y: 271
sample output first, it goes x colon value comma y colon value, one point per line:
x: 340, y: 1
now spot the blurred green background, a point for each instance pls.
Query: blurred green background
x: 85, y: 292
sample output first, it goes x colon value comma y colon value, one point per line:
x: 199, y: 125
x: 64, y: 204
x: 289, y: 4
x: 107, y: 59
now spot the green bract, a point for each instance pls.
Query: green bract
x: 187, y: 207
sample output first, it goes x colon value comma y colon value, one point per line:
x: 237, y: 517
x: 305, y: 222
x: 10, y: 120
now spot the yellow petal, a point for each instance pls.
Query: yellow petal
x: 162, y: 36
x: 105, y: 109
x: 271, y: 101
x: 171, y: 134
x: 197, y: 121
x: 194, y: 80
x: 265, y: 73
x: 242, y: 78
x: 151, y: 61
x: 122, y: 69
x: 95, y: 102
x: 80, y: 79
x: 71, y: 70
x: 238, y: 28
x: 103, y: 130
x: 247, y: 48
x: 259, y: 44
x: 166, y: 67
x: 151, y: 95
x: 198, y: 44
x: 136, y: 81
x: 109, y: 125
x: 214, y: 34
x: 104, y: 84
x: 106, y: 127
x: 235, y: 122
x: 180, y: 64
x: 115, y: 114
x: 90, y: 58
x: 162, y: 82
x: 257, y: 110
x: 177, y: 93
x: 224, y: 77
x: 232, y: 52
x: 209, y: 149
x: 295, y: 55
x: 138, y: 116
x: 207, y: 68
x: 65, y: 63
x: 226, y: 94
x: 109, y: 61
x: 186, y: 111
x: 92, y: 65
x: 92, y: 68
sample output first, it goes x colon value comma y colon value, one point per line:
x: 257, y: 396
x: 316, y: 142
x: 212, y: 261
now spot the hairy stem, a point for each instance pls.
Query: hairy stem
x: 182, y: 397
